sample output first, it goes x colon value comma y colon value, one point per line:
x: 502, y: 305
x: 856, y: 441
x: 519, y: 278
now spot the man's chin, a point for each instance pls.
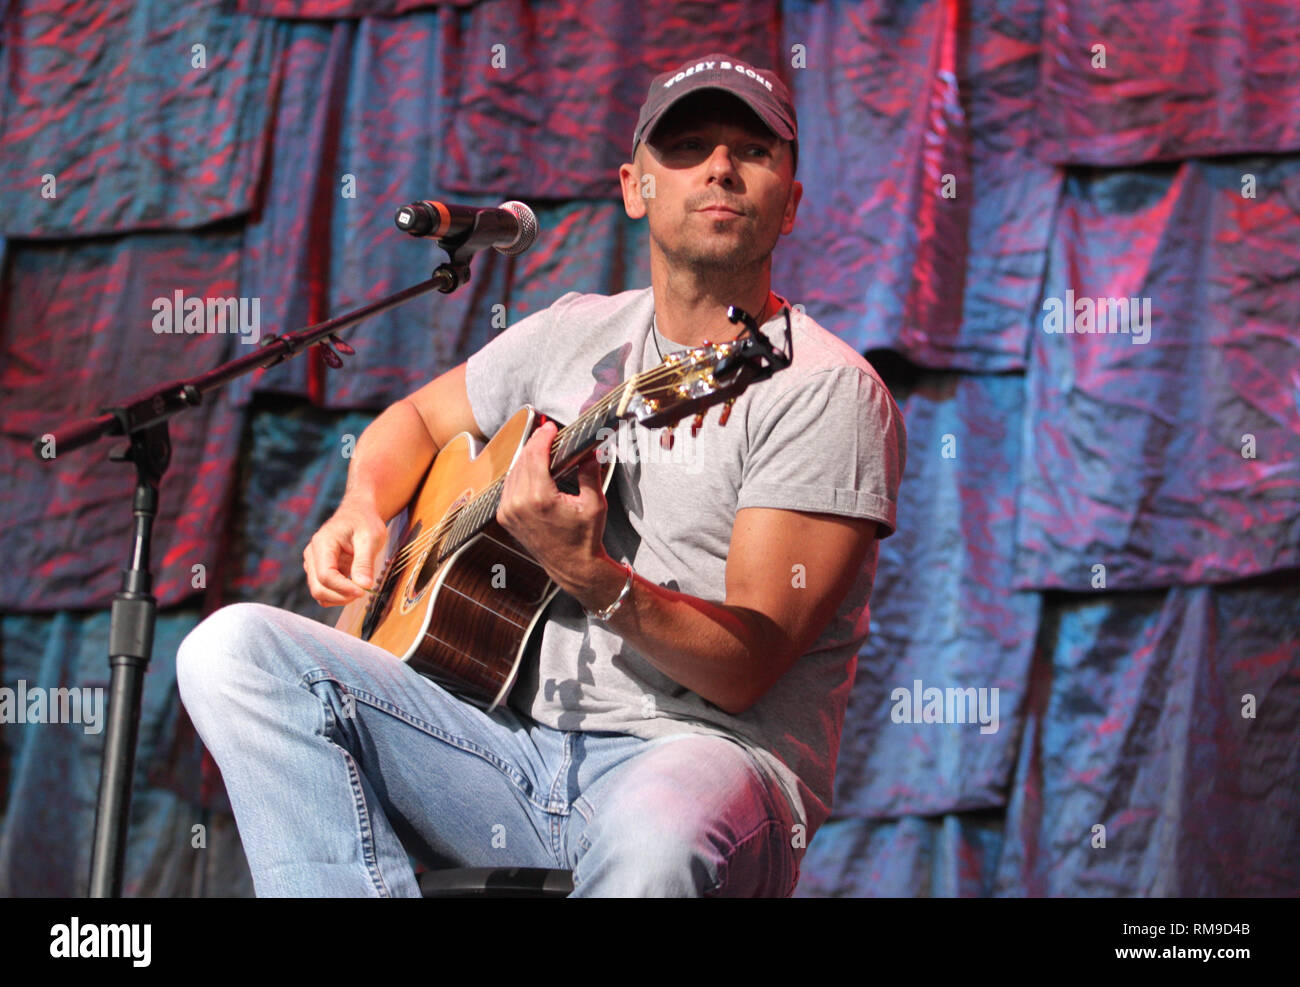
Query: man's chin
x: 718, y: 251
x: 725, y: 249
x: 719, y: 263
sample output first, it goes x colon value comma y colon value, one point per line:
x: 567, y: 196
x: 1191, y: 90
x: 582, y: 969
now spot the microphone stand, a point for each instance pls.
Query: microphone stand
x: 143, y: 420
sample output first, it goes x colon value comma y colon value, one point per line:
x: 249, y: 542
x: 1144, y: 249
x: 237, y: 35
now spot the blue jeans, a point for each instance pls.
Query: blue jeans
x: 340, y: 759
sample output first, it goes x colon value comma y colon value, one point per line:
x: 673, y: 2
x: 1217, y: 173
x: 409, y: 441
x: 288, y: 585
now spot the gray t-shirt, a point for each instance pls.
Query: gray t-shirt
x: 822, y: 435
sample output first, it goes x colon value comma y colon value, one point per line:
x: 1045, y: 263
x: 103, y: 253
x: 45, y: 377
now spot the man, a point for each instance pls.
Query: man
x: 677, y: 732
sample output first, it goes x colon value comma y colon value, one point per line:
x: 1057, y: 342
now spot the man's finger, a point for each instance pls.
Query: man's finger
x: 329, y: 575
x: 364, y: 550
x: 319, y: 592
x: 589, y: 473
x: 537, y: 461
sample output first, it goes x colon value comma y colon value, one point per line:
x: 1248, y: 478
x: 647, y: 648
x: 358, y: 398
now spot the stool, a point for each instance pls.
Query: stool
x: 496, y: 882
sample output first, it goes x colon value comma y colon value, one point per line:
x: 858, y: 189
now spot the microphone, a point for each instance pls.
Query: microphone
x: 509, y: 228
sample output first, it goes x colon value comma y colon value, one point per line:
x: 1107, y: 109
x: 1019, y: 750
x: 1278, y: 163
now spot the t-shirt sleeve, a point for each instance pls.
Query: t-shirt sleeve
x: 834, y: 444
x: 504, y: 374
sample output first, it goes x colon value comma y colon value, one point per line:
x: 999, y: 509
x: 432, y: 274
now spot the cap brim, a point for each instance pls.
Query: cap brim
x: 769, y: 119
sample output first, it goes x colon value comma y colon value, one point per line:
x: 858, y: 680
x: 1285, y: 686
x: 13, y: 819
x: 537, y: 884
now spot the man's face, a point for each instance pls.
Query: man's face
x: 723, y: 185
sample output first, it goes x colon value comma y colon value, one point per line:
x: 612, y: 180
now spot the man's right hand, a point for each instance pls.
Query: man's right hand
x: 340, y: 558
x: 390, y: 458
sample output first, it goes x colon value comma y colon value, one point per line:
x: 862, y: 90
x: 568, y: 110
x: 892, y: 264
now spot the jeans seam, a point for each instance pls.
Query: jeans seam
x: 364, y: 827
x: 565, y: 759
x: 557, y: 848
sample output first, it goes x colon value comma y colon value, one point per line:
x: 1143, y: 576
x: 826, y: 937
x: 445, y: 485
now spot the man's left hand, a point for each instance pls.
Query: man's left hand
x: 563, y: 532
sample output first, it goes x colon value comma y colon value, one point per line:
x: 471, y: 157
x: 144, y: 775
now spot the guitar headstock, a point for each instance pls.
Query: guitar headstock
x: 690, y: 381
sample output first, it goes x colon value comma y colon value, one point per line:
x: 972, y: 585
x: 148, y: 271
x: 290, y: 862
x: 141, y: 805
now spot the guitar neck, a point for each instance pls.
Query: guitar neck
x: 574, y: 441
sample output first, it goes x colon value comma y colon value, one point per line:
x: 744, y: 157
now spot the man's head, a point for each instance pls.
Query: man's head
x: 713, y: 165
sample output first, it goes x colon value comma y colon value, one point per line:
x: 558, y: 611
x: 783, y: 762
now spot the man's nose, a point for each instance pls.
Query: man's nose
x: 722, y: 166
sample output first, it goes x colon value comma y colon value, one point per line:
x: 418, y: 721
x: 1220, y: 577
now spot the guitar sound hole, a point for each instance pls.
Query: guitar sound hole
x: 427, y: 571
x: 440, y: 532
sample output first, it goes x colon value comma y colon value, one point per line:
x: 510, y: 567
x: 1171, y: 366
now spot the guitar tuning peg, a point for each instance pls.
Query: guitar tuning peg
x: 695, y: 425
x: 666, y: 437
x: 726, y: 411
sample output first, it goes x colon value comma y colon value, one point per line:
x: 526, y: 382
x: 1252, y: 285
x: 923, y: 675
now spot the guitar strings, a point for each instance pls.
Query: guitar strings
x: 417, y: 545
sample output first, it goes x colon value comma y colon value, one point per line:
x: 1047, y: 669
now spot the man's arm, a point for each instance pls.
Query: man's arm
x: 388, y: 463
x: 733, y: 652
x: 730, y: 653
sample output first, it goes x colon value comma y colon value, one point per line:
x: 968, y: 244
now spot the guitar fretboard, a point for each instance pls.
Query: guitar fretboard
x: 575, y: 440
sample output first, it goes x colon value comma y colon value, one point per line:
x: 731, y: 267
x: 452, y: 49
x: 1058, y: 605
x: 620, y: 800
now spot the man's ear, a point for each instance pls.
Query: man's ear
x: 791, y: 207
x: 629, y: 177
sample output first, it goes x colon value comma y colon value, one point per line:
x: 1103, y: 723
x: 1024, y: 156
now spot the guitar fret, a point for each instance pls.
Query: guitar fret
x: 586, y: 432
x: 453, y: 538
x: 564, y: 448
x: 578, y: 438
x: 472, y: 519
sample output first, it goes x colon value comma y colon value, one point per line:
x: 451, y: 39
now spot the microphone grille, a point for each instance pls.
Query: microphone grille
x: 527, y: 228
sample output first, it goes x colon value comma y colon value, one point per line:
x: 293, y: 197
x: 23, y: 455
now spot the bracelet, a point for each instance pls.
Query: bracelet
x: 604, y: 615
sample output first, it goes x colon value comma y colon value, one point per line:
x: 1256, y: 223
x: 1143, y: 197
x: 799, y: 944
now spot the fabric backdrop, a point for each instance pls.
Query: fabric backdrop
x: 1100, y: 525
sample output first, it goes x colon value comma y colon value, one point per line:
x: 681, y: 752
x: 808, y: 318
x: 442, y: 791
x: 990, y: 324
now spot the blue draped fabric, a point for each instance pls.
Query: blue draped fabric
x: 80, y: 330
x: 926, y: 214
x: 175, y: 847
x: 1102, y: 532
x: 1172, y: 451
x: 1160, y: 756
x: 1216, y: 77
x: 121, y: 116
x: 958, y: 545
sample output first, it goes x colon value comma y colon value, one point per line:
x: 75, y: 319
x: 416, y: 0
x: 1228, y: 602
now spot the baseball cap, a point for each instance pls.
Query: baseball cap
x: 759, y: 89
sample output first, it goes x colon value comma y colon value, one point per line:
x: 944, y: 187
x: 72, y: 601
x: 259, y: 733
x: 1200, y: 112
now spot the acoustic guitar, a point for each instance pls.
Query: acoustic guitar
x: 457, y: 597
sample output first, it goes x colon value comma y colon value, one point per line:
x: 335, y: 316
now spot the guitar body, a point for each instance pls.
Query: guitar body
x: 464, y: 622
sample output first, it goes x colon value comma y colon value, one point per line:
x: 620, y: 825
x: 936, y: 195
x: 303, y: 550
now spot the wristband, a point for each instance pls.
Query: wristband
x: 603, y: 615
